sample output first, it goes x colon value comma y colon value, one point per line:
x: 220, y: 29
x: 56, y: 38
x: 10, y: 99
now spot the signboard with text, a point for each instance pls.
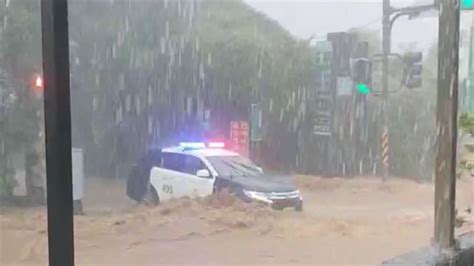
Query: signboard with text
x: 344, y: 87
x: 322, y: 100
x: 239, y: 135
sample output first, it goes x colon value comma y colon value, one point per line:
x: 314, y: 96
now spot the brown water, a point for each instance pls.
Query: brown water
x: 345, y: 222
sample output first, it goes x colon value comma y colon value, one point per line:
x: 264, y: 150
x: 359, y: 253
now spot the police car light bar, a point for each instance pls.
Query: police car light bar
x: 216, y: 145
x: 192, y: 145
x: 200, y: 145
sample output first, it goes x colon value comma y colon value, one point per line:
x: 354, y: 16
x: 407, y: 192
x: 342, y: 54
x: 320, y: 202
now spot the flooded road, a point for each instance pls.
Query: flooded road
x: 345, y: 221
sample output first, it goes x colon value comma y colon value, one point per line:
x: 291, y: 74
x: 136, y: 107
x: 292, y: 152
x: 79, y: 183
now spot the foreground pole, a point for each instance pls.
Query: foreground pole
x: 58, y: 132
x: 446, y: 121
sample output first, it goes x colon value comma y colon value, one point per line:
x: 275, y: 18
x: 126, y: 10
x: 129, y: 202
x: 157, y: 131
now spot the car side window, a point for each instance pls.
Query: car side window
x: 173, y: 161
x: 192, y: 165
x: 154, y: 158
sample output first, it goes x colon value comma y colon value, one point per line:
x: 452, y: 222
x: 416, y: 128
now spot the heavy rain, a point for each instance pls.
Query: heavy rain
x: 240, y: 132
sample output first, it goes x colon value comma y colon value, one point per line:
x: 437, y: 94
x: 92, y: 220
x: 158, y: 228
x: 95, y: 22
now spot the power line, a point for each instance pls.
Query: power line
x: 367, y: 24
x: 370, y: 23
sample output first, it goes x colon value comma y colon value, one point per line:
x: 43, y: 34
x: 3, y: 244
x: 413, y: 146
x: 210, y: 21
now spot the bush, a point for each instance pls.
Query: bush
x: 466, y: 122
x: 6, y: 187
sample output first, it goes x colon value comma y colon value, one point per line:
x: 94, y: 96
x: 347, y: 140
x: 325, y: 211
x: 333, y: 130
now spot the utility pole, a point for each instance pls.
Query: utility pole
x: 386, y: 47
x: 57, y: 114
x: 446, y: 120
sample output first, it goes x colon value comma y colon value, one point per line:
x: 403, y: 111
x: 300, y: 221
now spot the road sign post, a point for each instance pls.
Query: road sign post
x: 256, y: 130
x: 77, y: 180
x: 256, y: 123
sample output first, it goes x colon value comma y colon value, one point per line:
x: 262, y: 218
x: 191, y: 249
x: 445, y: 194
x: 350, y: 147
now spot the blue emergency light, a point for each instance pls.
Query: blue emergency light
x: 192, y: 145
x: 200, y: 145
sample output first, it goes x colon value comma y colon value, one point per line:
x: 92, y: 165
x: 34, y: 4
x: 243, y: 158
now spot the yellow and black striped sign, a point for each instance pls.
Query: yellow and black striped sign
x: 385, y: 144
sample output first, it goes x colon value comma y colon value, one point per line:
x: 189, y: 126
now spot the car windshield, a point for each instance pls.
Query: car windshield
x: 234, y: 166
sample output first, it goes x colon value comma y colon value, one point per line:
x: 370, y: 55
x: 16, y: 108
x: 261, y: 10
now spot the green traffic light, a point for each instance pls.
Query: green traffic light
x: 467, y: 4
x: 363, y: 88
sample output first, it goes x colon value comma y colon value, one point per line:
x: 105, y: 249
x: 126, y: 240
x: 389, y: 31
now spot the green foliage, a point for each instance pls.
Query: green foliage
x: 20, y: 60
x: 222, y: 54
x: 466, y: 123
x: 412, y: 128
x: 469, y: 147
x: 20, y: 43
x: 6, y: 186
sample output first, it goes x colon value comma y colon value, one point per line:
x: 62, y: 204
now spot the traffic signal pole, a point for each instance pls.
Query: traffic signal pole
x: 446, y: 122
x: 386, y: 47
x: 390, y: 15
x: 447, y: 108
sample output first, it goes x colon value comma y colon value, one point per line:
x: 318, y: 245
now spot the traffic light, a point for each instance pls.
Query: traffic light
x: 412, y: 70
x: 362, y: 75
x: 467, y: 4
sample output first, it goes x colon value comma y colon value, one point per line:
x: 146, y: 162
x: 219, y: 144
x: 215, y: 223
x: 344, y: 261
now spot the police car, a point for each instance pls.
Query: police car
x: 200, y: 169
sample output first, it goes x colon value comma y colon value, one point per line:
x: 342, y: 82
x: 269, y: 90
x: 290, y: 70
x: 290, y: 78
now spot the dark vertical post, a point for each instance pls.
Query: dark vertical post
x: 446, y: 119
x: 58, y: 131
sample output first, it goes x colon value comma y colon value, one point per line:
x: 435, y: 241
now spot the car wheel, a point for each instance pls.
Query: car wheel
x: 151, y: 198
x: 299, y: 207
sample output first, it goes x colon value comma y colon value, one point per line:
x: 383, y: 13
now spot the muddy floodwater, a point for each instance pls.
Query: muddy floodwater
x: 359, y: 221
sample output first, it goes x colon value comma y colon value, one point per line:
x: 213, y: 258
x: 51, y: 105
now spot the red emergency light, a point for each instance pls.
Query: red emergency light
x: 216, y: 145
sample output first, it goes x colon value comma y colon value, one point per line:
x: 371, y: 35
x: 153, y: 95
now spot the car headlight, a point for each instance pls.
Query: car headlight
x: 299, y: 194
x: 261, y: 196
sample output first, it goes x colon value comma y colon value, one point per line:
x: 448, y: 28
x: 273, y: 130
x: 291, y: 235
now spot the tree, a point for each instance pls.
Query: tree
x: 20, y: 54
x: 144, y: 73
x: 141, y: 71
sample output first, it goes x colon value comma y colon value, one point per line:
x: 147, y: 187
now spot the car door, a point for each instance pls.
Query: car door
x: 139, y: 177
x: 177, y: 177
x: 169, y: 180
x: 200, y: 186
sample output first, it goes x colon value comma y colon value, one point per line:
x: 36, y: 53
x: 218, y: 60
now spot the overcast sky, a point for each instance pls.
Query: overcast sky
x: 304, y: 18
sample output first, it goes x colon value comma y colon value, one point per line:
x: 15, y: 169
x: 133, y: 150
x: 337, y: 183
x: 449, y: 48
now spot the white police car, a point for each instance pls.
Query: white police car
x: 200, y: 169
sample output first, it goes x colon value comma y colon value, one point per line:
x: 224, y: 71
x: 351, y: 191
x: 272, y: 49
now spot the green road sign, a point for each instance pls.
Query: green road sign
x: 467, y: 4
x: 363, y: 88
x: 323, y: 54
